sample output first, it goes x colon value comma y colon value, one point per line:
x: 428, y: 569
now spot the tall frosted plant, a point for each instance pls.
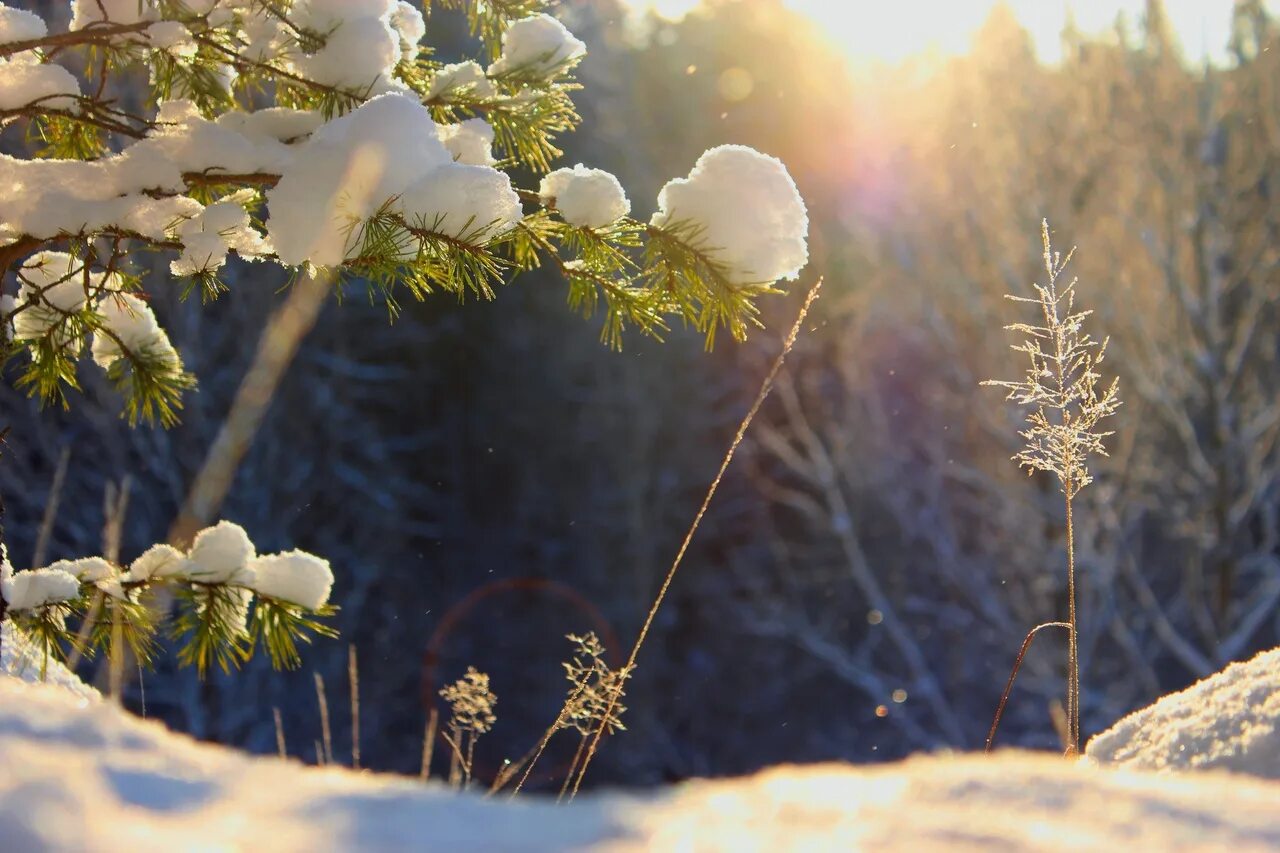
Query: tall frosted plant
x: 1067, y: 402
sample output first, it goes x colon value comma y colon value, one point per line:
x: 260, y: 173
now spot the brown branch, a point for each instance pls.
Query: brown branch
x: 92, y: 34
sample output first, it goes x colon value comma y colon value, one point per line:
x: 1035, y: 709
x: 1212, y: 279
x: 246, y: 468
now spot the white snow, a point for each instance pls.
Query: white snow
x: 538, y: 45
x: 85, y: 12
x: 172, y: 37
x: 745, y: 211
x: 354, y: 165
x: 1228, y: 721
x: 220, y: 553
x: 470, y: 142
x: 35, y: 588
x: 208, y: 236
x: 24, y: 83
x: 294, y: 576
x: 20, y: 25
x: 409, y: 25
x: 471, y: 203
x: 22, y: 660
x: 53, y: 287
x: 83, y: 775
x: 588, y: 198
x: 361, y: 48
x: 158, y: 561
x: 460, y: 78
x: 129, y: 319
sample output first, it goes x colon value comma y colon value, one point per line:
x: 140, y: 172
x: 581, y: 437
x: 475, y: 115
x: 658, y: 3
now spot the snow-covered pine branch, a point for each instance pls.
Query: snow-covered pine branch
x: 321, y: 134
x: 232, y: 601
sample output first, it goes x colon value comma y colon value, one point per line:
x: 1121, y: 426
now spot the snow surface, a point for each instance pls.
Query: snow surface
x: 29, y: 590
x: 1228, y: 721
x: 745, y: 212
x: 24, y: 83
x: 470, y: 142
x: 20, y: 25
x: 158, y: 561
x: 536, y: 45
x: 20, y: 660
x: 80, y: 774
x: 294, y: 576
x: 588, y: 198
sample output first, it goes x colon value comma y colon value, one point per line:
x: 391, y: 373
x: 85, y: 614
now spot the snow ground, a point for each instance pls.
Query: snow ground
x: 79, y: 774
x: 1228, y: 721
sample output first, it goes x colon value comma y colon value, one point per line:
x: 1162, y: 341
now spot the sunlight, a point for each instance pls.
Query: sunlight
x: 892, y: 32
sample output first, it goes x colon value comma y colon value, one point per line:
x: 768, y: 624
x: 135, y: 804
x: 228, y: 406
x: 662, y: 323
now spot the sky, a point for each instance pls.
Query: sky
x: 891, y: 30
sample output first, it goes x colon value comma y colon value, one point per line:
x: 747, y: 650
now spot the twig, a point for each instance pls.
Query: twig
x: 429, y: 743
x: 324, y: 719
x: 353, y: 678
x: 1017, y: 664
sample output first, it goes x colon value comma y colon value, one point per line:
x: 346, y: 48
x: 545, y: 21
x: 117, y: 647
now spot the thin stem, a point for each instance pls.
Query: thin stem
x: 429, y: 743
x: 1073, y: 654
x: 280, y: 748
x: 1017, y: 664
x: 353, y: 678
x: 761, y: 396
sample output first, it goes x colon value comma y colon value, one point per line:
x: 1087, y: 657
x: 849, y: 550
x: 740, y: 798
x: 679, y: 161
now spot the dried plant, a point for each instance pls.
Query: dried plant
x: 1062, y: 388
x: 592, y: 702
x: 471, y: 705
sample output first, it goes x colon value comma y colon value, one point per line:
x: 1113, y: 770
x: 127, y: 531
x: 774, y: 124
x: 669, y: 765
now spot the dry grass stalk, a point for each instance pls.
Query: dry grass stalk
x: 765, y: 387
x: 1067, y: 405
x: 324, y: 719
x: 353, y: 678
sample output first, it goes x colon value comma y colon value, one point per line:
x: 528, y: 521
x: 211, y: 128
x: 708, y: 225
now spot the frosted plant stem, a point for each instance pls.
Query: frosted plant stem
x: 765, y: 387
x: 1073, y: 653
x: 51, y: 509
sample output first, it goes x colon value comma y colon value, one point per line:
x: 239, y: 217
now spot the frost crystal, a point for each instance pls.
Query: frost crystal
x: 588, y: 198
x: 742, y: 209
x: 537, y: 45
x: 220, y: 553
x: 295, y: 577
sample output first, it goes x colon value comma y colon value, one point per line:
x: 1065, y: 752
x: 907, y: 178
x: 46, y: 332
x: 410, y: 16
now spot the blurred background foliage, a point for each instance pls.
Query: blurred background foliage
x: 486, y: 478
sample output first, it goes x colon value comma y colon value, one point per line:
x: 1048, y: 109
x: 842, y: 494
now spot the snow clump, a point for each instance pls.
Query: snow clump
x: 157, y: 562
x: 539, y: 45
x: 470, y: 142
x: 208, y: 236
x: 26, y: 83
x: 742, y: 209
x: 36, y: 588
x: 409, y: 25
x: 220, y: 554
x: 361, y: 47
x: 85, y: 12
x: 53, y: 288
x: 294, y: 577
x: 130, y: 330
x: 588, y: 198
x: 461, y: 77
x: 20, y: 25
x: 473, y: 204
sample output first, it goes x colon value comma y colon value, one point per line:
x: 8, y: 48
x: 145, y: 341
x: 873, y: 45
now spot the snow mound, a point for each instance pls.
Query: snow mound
x: 1228, y: 721
x: 84, y: 775
x: 22, y: 661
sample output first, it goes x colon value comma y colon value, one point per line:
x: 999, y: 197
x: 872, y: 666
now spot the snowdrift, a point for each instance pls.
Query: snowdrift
x: 1228, y: 721
x: 79, y: 774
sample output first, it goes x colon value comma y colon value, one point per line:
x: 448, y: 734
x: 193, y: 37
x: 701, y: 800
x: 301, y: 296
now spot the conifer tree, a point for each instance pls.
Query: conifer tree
x: 322, y: 136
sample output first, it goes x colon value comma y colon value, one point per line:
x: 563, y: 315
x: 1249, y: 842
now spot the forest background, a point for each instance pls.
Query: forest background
x: 487, y: 477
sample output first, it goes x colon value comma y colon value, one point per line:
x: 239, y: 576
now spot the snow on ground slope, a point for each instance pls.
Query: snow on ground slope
x: 79, y: 774
x: 22, y: 660
x: 1228, y: 721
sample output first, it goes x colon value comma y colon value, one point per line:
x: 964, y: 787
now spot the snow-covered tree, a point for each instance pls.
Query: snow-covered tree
x: 321, y: 136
